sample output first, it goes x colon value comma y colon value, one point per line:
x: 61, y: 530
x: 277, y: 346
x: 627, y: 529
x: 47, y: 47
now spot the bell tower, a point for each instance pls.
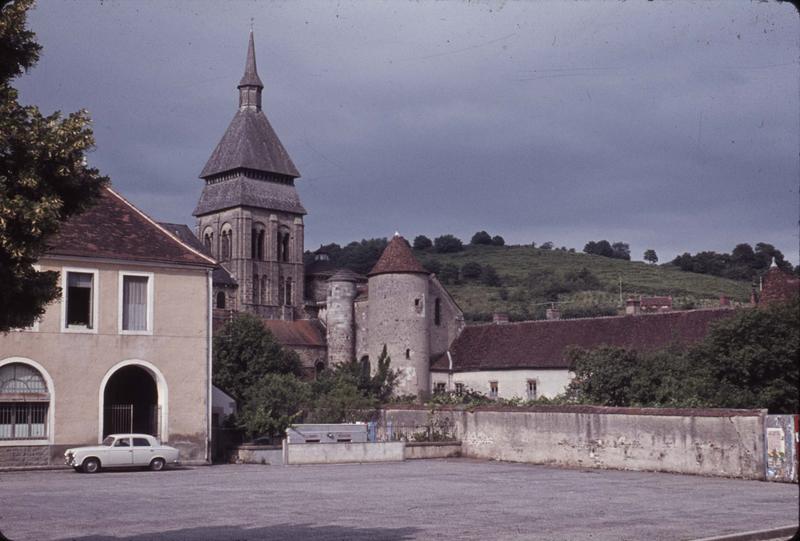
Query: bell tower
x: 249, y: 215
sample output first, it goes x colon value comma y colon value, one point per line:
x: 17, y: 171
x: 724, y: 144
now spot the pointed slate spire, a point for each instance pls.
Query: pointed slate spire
x: 250, y: 86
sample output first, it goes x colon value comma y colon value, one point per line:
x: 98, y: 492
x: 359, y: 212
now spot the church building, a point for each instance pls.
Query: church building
x: 250, y: 219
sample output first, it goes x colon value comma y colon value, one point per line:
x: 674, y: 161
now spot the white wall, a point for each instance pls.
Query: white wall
x: 510, y: 383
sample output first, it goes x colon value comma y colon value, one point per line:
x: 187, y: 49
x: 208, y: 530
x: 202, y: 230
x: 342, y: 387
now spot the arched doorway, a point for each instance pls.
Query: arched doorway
x: 131, y: 402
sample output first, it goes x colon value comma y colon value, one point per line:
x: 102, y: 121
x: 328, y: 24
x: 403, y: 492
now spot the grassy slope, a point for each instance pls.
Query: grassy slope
x: 514, y: 262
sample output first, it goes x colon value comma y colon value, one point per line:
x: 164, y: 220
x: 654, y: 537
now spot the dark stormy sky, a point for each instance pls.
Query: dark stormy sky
x: 668, y: 125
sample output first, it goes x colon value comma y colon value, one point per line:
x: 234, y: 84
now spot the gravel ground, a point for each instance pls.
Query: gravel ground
x: 423, y: 499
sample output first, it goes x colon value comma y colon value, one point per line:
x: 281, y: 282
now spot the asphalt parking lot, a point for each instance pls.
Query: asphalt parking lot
x: 424, y: 499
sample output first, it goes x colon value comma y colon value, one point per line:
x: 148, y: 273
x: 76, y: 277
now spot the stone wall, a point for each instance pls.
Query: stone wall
x: 25, y: 455
x: 727, y: 443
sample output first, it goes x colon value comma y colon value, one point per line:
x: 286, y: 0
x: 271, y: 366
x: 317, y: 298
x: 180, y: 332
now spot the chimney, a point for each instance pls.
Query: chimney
x: 724, y: 301
x: 633, y: 307
x: 552, y: 313
x: 499, y: 318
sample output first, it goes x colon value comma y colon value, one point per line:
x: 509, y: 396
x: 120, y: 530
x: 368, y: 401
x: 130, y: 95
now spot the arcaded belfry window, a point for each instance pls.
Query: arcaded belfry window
x: 135, y: 301
x: 80, y: 286
x: 24, y: 403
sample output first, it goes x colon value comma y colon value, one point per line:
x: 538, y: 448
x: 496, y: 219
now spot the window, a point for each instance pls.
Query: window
x: 135, y: 302
x: 221, y: 300
x: 260, y: 246
x: 226, y: 243
x: 141, y: 442
x: 439, y: 388
x: 24, y: 403
x: 437, y: 312
x: 459, y: 388
x: 531, y: 388
x: 79, y: 300
x: 283, y: 245
x: 288, y: 301
x: 408, y: 353
x: 208, y: 240
x: 493, y: 389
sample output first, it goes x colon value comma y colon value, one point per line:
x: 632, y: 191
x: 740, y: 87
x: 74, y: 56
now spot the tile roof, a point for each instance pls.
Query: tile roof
x: 656, y: 301
x: 543, y: 344
x: 250, y: 143
x: 115, y: 229
x: 248, y: 192
x: 220, y: 276
x: 397, y: 258
x: 301, y: 332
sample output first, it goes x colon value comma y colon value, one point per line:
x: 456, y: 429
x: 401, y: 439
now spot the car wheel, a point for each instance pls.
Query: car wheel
x: 157, y: 464
x: 91, y: 465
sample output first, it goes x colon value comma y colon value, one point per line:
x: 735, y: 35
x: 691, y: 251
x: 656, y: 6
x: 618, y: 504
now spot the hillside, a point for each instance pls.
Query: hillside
x: 522, y: 269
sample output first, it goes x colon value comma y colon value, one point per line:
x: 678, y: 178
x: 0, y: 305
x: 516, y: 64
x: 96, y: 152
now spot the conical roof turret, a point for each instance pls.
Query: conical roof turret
x: 397, y: 257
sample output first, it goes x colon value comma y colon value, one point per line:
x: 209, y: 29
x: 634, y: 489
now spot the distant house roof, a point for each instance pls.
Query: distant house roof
x: 779, y: 286
x: 220, y: 275
x: 397, y: 258
x: 656, y: 302
x: 115, y: 229
x: 543, y: 344
x: 301, y: 332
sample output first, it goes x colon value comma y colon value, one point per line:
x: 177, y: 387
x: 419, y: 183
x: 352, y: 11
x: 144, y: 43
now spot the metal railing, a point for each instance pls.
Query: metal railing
x: 23, y: 420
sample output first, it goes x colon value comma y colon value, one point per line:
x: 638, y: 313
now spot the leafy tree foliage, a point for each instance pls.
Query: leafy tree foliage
x: 43, y: 177
x: 490, y: 277
x: 351, y: 392
x: 743, y: 263
x: 497, y: 240
x: 272, y: 404
x: 432, y: 265
x: 481, y: 237
x: 618, y: 250
x: 546, y: 246
x: 449, y: 274
x: 545, y: 284
x: 447, y: 244
x: 421, y: 242
x: 244, y: 352
x: 471, y: 270
x: 747, y: 361
x: 650, y: 256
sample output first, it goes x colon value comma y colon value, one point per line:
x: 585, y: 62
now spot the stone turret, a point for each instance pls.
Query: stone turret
x: 342, y: 290
x: 398, y: 317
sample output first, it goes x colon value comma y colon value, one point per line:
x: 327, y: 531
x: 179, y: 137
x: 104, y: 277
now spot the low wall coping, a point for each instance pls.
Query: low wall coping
x: 432, y: 443
x: 608, y: 410
x: 259, y: 447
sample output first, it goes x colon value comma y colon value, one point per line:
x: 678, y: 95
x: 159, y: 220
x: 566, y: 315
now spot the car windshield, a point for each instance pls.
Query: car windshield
x: 108, y: 442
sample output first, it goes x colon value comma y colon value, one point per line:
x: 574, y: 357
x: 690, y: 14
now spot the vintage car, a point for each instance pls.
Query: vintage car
x: 122, y: 451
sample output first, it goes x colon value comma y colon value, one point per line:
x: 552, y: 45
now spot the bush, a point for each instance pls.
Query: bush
x: 421, y: 242
x: 432, y: 265
x: 497, y: 240
x: 447, y: 244
x: 481, y: 237
x: 272, y: 404
x: 448, y: 274
x: 490, y: 277
x: 471, y: 270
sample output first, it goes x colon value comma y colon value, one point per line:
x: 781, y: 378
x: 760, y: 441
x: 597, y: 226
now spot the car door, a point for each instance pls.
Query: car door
x: 143, y: 452
x: 119, y: 454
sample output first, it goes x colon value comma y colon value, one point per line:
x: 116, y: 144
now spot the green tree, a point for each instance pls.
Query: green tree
x: 421, y: 242
x: 490, y: 277
x: 44, y: 178
x: 497, y: 240
x: 481, y: 237
x: 750, y: 359
x: 272, y: 404
x: 447, y: 244
x: 603, y: 376
x: 471, y: 270
x: 650, y: 256
x: 449, y: 274
x: 245, y: 351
